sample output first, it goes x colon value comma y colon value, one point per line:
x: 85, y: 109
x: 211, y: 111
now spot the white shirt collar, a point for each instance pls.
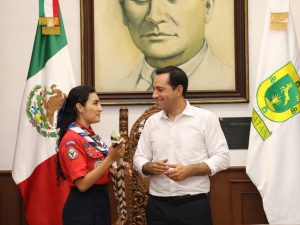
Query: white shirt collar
x: 188, y: 111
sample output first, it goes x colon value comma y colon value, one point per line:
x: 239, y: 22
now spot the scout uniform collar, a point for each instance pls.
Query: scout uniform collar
x: 94, y: 140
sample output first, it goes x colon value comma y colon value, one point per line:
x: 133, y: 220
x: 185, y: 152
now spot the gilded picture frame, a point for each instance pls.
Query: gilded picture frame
x: 109, y: 55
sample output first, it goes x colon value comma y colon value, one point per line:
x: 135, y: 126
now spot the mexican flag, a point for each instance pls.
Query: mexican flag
x: 49, y: 79
x: 273, y: 161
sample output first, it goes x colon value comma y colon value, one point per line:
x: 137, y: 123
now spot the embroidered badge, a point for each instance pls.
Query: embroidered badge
x: 97, y: 163
x: 42, y: 107
x: 86, y: 144
x: 72, y: 153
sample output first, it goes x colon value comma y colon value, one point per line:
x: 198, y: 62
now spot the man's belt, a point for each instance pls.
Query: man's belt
x: 180, y: 198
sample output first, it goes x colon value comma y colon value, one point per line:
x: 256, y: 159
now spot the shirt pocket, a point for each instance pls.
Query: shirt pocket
x: 94, y: 157
x: 93, y: 153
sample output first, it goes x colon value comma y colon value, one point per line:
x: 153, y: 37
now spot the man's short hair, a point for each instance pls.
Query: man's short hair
x: 176, y: 77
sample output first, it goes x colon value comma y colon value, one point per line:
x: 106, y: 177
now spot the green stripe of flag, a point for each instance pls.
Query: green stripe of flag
x: 45, y: 46
x: 41, y: 8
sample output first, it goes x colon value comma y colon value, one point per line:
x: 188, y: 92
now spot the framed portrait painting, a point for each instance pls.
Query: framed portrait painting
x: 124, y: 41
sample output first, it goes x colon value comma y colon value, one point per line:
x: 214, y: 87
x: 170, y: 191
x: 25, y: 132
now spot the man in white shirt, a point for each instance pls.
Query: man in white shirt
x: 179, y: 147
x: 172, y: 33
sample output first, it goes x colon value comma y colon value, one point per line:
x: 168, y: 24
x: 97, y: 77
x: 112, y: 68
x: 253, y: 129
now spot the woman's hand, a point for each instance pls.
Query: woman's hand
x: 116, y: 151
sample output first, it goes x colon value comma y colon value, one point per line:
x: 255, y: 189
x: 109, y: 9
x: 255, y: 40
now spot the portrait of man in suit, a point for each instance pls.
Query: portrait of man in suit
x: 171, y: 32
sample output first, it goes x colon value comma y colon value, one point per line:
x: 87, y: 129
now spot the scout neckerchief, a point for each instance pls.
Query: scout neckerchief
x: 94, y: 140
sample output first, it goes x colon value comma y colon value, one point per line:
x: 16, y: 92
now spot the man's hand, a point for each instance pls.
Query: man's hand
x: 155, y: 168
x: 177, y: 172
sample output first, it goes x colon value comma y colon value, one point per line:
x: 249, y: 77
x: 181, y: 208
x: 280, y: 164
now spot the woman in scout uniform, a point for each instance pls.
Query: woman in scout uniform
x: 84, y: 159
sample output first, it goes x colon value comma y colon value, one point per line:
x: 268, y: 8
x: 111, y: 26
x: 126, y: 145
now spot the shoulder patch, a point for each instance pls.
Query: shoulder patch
x: 71, y: 142
x: 72, y: 153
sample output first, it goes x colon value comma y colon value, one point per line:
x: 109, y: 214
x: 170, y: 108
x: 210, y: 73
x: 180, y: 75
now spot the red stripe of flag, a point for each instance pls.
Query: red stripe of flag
x: 43, y: 199
x: 55, y: 8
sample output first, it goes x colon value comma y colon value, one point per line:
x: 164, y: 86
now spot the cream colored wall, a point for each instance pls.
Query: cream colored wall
x: 18, y: 20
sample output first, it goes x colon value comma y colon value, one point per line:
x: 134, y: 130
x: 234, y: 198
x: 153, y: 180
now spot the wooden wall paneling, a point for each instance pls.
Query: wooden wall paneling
x: 219, y: 198
x: 247, y: 205
x: 11, y: 206
x: 234, y: 199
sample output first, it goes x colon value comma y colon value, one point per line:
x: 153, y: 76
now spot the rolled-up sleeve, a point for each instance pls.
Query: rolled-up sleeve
x: 143, y: 152
x: 216, y: 145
